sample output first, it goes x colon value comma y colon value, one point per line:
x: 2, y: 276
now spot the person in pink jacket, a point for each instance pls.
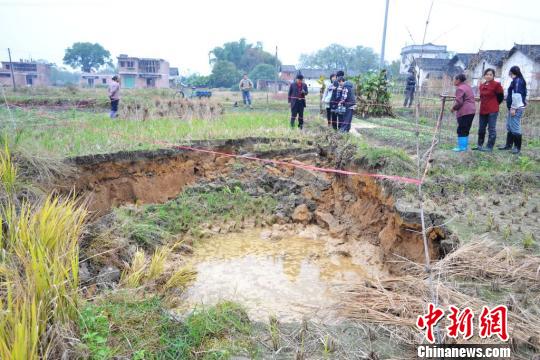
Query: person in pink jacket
x: 465, y: 108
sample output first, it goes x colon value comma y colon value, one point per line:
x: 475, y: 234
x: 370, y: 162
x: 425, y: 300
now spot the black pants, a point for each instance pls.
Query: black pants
x: 332, y: 118
x: 409, y: 97
x: 464, y: 125
x: 297, y: 110
x: 489, y: 121
x: 345, y: 120
x: 114, y: 105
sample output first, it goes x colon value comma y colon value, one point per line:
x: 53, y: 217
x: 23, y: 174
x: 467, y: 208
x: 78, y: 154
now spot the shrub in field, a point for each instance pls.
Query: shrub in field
x: 372, y: 95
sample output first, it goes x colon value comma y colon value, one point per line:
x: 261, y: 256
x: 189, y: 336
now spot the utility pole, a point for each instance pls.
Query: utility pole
x: 11, y: 68
x: 277, y: 71
x: 381, y: 65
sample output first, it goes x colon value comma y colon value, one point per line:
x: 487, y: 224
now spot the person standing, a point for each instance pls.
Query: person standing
x: 114, y: 95
x: 465, y: 108
x: 331, y: 116
x: 297, y: 98
x: 348, y: 102
x: 491, y: 96
x: 410, y: 88
x: 516, y: 97
x: 245, y: 87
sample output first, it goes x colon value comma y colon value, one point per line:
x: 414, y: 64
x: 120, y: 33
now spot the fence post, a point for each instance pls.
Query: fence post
x: 441, y: 114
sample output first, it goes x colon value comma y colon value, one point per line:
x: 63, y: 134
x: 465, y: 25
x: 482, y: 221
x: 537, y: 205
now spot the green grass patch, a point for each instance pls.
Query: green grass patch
x: 151, y: 225
x: 126, y: 324
x: 71, y: 133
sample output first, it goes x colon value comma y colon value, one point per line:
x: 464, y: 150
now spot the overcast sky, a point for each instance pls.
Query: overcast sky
x: 183, y: 32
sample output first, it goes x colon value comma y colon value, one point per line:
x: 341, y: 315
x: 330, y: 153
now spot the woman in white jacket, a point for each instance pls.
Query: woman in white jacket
x: 331, y: 116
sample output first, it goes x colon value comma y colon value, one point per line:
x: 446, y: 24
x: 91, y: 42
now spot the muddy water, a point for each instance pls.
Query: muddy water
x: 290, y: 278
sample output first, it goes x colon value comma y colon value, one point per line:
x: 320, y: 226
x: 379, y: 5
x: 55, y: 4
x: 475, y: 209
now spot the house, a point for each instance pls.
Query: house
x: 527, y: 57
x: 427, y: 51
x: 430, y: 69
x: 311, y: 76
x: 143, y: 72
x: 459, y: 63
x: 486, y: 59
x: 174, y: 77
x: 25, y: 73
x: 273, y: 85
x: 91, y: 80
x: 287, y: 72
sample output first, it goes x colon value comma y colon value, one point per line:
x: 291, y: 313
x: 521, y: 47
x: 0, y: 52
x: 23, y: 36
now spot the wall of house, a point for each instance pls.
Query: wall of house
x: 529, y: 69
x: 42, y: 78
x: 287, y: 76
x: 141, y: 82
x: 313, y: 85
x: 407, y: 59
x: 477, y: 72
x: 99, y: 80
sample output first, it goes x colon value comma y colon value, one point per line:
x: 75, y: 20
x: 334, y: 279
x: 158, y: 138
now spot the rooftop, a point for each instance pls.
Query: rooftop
x: 492, y: 57
x: 532, y: 51
x: 432, y: 64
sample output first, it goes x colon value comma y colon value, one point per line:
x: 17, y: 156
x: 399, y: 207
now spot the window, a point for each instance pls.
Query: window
x: 122, y: 63
x: 103, y: 81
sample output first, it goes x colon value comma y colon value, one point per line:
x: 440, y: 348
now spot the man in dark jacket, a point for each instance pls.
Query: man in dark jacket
x: 297, y: 98
x: 410, y: 88
x: 347, y: 100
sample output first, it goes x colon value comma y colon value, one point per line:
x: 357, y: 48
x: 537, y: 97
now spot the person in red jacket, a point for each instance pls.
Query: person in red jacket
x: 491, y: 96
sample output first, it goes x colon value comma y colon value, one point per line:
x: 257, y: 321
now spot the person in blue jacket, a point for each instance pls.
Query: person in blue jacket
x: 516, y: 97
x: 347, y: 100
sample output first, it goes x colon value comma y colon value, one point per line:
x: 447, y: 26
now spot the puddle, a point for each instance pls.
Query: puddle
x: 290, y: 278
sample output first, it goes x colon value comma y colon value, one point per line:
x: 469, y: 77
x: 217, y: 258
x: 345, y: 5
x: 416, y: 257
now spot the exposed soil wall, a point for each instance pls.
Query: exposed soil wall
x: 352, y: 208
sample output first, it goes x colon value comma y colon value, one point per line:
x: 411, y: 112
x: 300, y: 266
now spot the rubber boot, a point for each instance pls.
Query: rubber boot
x: 481, y: 138
x: 112, y: 114
x: 490, y: 144
x: 462, y: 144
x: 509, y: 141
x: 517, y: 143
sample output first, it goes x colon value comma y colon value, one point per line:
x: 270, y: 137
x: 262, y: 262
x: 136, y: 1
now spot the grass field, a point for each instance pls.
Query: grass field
x: 479, y: 194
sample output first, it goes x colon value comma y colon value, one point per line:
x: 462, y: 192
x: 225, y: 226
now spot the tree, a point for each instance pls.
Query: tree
x: 393, y: 70
x: 87, y: 56
x: 243, y: 55
x: 224, y: 74
x: 338, y: 57
x: 262, y: 72
x: 197, y: 80
x: 61, y: 76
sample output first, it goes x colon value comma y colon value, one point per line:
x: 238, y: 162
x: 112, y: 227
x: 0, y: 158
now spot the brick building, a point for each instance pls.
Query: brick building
x: 26, y: 73
x: 143, y: 72
x: 92, y: 80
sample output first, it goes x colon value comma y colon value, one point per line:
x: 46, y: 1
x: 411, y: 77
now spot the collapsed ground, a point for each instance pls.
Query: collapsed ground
x: 154, y: 209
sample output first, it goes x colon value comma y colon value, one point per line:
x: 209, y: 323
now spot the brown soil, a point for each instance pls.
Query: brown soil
x: 352, y: 208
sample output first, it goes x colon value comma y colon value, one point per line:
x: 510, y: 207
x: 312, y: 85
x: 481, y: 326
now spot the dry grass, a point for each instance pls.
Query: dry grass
x: 39, y: 265
x: 151, y: 272
x: 459, y: 281
x: 172, y: 109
